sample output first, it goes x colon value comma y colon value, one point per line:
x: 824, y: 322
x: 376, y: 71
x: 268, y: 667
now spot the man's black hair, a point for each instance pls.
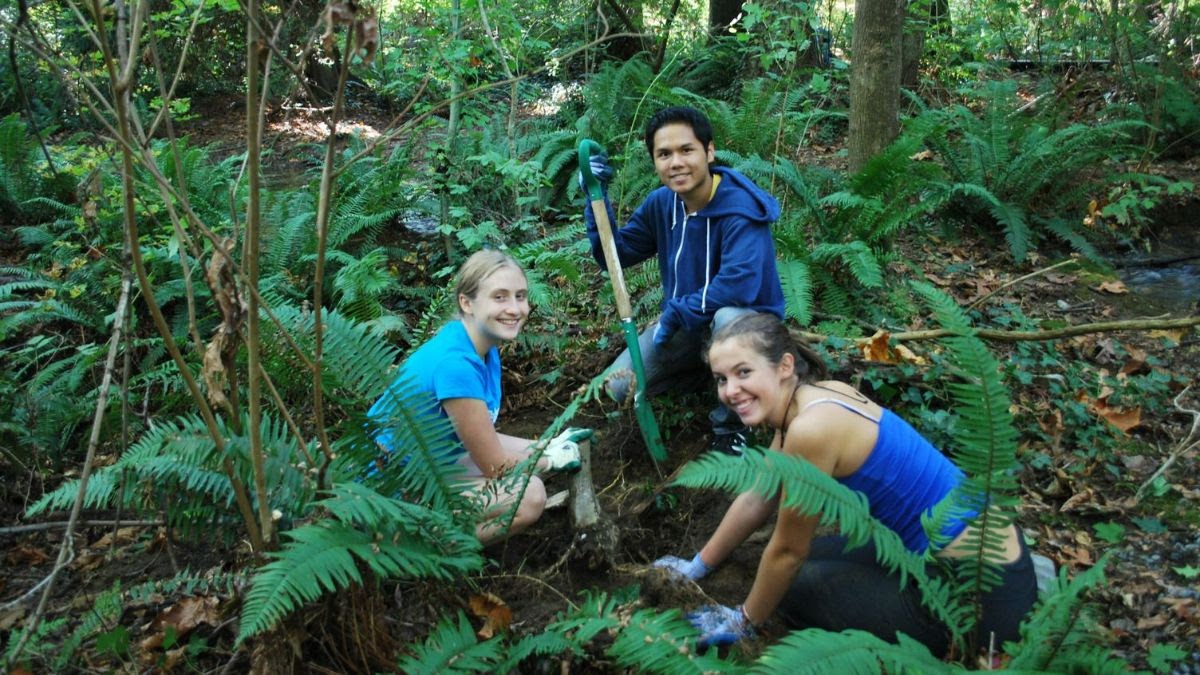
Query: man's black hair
x: 679, y: 114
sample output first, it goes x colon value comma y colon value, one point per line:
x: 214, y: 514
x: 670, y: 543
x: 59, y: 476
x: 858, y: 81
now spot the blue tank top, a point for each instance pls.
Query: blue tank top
x: 903, y: 478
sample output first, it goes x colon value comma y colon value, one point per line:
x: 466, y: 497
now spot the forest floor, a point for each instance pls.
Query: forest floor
x: 1069, y: 509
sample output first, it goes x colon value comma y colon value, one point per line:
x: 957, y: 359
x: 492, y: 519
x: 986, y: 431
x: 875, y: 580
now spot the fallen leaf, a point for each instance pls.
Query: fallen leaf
x: 1175, y: 336
x: 1156, y: 621
x: 1114, y: 287
x: 1124, y: 419
x: 1079, y: 556
x: 182, y: 618
x: 877, y: 349
x: 88, y: 561
x: 9, y: 617
x: 495, y: 613
x: 124, y: 535
x: 1184, y: 608
x: 26, y: 555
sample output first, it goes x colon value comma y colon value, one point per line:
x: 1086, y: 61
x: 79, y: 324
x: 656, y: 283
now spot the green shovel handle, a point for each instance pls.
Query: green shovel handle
x: 591, y: 184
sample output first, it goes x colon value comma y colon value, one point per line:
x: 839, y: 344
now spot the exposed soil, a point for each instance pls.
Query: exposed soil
x: 1145, y: 602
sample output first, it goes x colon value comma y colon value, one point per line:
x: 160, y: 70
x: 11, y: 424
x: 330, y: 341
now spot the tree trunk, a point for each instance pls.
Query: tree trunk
x: 915, y: 22
x: 721, y: 13
x: 874, y: 78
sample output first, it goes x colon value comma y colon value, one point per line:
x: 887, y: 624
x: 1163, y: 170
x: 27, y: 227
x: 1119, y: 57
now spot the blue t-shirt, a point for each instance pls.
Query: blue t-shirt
x: 445, y: 367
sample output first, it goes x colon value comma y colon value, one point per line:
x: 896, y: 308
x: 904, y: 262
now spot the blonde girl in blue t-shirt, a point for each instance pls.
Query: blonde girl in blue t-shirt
x: 460, y: 368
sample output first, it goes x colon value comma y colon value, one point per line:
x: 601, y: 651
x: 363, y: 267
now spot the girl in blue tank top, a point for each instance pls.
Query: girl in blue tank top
x: 770, y: 381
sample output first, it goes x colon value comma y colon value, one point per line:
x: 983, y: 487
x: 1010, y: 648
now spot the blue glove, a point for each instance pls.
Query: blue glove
x: 720, y: 625
x: 693, y: 569
x: 667, y: 325
x: 601, y: 169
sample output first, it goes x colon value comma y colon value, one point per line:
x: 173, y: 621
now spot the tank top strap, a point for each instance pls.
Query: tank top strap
x: 843, y: 404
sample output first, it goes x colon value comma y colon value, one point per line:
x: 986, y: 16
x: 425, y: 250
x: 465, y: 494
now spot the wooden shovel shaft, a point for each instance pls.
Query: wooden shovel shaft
x: 612, y: 259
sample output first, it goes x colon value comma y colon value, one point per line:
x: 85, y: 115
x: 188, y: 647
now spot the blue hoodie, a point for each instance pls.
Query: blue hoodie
x: 721, y: 256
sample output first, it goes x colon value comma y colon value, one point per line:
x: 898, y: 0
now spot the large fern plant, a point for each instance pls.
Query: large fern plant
x: 1026, y: 174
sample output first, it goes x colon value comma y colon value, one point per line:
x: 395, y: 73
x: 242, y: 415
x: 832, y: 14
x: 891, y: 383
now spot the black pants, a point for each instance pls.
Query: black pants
x: 837, y: 590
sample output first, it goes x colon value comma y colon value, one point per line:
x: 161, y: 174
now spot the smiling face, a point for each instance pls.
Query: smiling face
x: 498, y: 309
x: 754, y: 388
x: 681, y: 161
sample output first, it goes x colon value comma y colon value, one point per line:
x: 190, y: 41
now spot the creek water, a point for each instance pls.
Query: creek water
x: 1167, y: 278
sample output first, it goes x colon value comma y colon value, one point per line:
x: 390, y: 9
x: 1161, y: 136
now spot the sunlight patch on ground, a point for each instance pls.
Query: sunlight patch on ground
x: 312, y: 127
x: 550, y: 104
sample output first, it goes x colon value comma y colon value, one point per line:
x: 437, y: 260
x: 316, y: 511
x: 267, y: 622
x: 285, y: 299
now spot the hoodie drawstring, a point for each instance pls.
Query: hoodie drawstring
x: 707, y: 263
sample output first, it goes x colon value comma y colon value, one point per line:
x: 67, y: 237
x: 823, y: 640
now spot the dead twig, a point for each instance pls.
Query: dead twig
x: 1191, y: 442
x: 1014, y: 282
x: 37, y: 527
x: 1030, y: 335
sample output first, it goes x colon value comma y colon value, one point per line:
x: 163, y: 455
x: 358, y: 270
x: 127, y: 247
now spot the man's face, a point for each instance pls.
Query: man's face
x: 681, y: 161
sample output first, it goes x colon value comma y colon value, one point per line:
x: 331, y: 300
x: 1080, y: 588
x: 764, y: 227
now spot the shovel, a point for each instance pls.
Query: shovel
x: 641, y: 406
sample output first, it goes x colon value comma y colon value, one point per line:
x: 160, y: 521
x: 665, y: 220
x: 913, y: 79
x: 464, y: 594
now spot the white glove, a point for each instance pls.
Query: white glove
x: 562, y: 452
x: 693, y: 569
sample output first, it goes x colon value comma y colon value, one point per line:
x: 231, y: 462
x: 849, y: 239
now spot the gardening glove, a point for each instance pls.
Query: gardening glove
x: 562, y: 451
x: 720, y: 625
x: 668, y: 323
x: 601, y: 169
x: 693, y: 569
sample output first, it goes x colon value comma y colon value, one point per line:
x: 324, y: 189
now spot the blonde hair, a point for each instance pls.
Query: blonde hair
x: 480, y: 266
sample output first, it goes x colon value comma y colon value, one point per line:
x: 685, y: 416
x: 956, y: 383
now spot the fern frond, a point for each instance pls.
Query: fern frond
x: 325, y: 556
x: 797, y: 285
x: 1061, y: 635
x: 452, y: 647
x: 851, y: 651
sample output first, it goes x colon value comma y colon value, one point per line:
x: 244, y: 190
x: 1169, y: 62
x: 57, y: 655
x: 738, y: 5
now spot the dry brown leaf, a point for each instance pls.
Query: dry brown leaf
x: 366, y: 35
x: 182, y: 618
x: 86, y: 562
x: 26, y: 555
x: 1135, y: 364
x: 122, y: 536
x: 1184, y: 608
x: 9, y: 617
x: 1156, y: 621
x: 1175, y: 336
x: 496, y: 615
x: 1077, y: 556
x: 1115, y: 287
x: 940, y: 281
x: 1124, y: 419
x: 877, y: 349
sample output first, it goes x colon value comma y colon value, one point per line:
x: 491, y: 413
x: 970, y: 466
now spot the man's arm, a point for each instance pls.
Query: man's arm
x: 635, y: 241
x: 746, y: 262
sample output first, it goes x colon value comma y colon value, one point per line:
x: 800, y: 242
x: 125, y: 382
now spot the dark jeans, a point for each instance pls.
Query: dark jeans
x: 837, y: 590
x: 678, y: 365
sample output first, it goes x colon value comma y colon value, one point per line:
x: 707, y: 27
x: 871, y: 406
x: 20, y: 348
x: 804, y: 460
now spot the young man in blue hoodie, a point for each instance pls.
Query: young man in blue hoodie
x: 709, y: 227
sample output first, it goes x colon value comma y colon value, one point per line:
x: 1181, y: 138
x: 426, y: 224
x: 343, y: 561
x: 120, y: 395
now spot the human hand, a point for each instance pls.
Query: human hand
x: 720, y: 625
x: 693, y: 569
x: 665, y: 329
x: 601, y: 170
x: 562, y: 451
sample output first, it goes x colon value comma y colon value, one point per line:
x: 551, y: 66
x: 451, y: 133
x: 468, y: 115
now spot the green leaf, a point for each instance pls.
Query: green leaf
x: 115, y: 642
x: 1150, y: 525
x: 1111, y: 532
x: 1187, y: 572
x: 1162, y: 656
